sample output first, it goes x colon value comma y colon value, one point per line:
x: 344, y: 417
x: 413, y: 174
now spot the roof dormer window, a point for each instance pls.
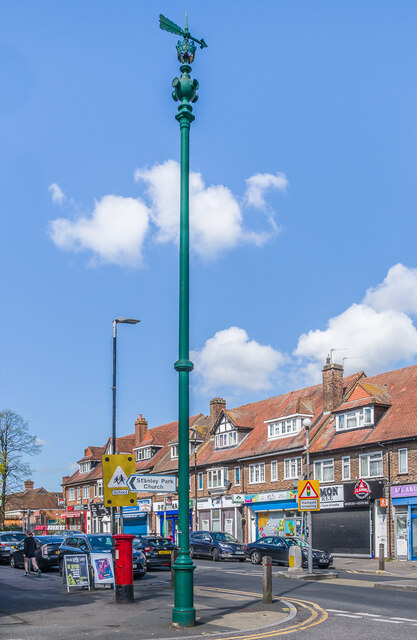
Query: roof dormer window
x: 174, y: 451
x: 284, y: 427
x: 145, y: 453
x: 85, y: 467
x: 226, y: 435
x: 363, y: 417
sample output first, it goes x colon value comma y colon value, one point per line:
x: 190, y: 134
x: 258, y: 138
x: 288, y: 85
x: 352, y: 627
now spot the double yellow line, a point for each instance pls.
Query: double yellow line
x: 317, y: 615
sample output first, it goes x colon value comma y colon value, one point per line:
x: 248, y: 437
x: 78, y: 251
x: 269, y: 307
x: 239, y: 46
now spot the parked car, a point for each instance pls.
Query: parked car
x: 97, y: 543
x: 216, y: 545
x: 8, y: 542
x: 321, y: 559
x: 278, y: 549
x: 46, y: 552
x: 157, y: 550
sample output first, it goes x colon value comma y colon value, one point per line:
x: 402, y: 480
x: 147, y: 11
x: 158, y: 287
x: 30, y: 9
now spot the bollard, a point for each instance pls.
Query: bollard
x: 295, y: 559
x: 381, y: 557
x: 173, y: 558
x: 267, y: 579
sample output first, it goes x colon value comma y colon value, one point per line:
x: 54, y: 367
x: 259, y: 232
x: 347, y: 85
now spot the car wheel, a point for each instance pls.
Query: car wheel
x: 255, y: 557
x: 13, y: 562
x: 192, y: 554
x: 60, y: 568
x: 215, y: 554
x: 139, y: 576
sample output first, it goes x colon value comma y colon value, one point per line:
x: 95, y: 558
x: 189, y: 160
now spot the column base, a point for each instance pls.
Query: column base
x: 183, y: 617
x: 124, y: 593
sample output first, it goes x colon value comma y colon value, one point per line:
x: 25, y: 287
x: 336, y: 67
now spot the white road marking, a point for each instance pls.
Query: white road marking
x: 403, y: 619
x: 392, y: 621
x: 348, y: 615
x: 338, y: 611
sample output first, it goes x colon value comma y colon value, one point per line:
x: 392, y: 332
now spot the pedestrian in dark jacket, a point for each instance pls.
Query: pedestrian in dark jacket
x: 29, y: 551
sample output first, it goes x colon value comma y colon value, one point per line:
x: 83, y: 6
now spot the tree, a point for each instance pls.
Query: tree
x: 15, y: 442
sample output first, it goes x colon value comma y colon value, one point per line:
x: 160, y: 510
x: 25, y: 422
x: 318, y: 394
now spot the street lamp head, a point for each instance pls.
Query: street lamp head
x: 126, y: 321
x: 307, y: 423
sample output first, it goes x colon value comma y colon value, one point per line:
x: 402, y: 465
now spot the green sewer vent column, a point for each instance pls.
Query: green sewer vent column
x: 185, y: 92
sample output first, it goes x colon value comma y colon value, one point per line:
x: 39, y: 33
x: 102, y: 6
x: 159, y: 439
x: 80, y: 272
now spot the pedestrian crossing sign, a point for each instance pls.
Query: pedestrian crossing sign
x: 116, y: 470
x: 308, y: 495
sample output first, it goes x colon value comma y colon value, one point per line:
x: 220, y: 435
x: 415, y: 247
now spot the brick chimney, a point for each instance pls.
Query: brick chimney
x: 217, y: 405
x: 29, y: 485
x: 141, y: 427
x: 332, y: 385
x: 65, y: 479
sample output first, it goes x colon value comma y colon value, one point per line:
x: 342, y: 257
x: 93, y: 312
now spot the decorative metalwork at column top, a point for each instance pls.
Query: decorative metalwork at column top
x: 185, y: 49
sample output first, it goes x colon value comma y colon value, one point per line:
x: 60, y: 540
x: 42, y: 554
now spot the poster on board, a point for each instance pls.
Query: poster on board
x: 76, y: 572
x: 103, y: 571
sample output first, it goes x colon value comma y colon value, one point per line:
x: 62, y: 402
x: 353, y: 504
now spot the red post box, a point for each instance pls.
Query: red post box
x: 123, y: 563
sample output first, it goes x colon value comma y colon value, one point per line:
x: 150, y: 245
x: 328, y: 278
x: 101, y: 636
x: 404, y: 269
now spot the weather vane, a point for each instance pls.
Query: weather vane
x: 185, y: 48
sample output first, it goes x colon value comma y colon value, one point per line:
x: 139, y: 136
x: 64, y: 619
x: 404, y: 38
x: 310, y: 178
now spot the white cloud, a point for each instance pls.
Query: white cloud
x: 259, y: 183
x: 230, y: 359
x: 114, y: 232
x: 40, y: 441
x: 374, y: 335
x: 57, y: 195
x: 397, y: 291
x: 216, y: 217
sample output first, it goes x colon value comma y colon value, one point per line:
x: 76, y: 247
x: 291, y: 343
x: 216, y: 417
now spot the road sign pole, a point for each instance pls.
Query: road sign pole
x: 309, y: 518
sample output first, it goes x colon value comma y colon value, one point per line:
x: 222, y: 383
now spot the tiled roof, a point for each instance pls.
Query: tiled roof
x: 93, y: 453
x: 33, y: 499
x: 398, y: 421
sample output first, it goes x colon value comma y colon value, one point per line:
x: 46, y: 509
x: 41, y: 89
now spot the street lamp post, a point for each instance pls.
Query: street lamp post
x: 116, y: 321
x: 307, y: 424
x: 185, y: 92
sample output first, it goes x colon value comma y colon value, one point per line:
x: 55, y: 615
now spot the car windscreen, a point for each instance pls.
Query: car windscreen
x: 160, y: 542
x: 223, y: 537
x: 50, y: 539
x: 101, y: 543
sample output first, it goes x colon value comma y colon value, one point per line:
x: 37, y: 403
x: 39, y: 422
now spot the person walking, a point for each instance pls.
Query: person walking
x: 29, y: 553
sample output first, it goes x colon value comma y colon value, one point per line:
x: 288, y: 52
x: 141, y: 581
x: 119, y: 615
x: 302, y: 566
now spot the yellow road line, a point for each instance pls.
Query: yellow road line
x: 317, y: 615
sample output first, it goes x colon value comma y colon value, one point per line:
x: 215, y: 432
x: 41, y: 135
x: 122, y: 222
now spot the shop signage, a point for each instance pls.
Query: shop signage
x: 308, y: 495
x: 159, y: 506
x: 144, y: 505
x: 204, y: 503
x: 71, y: 514
x: 360, y: 493
x: 76, y: 572
x: 273, y: 496
x: 404, y: 490
x: 331, y: 497
x: 77, y: 507
x: 116, y: 470
x: 152, y: 484
x: 98, y: 510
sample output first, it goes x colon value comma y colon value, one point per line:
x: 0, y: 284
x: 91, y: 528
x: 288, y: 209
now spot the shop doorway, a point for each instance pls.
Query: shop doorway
x: 401, y: 532
x: 413, y: 534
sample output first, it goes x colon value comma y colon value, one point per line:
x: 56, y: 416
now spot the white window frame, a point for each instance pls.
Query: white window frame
x: 346, y: 465
x: 320, y: 466
x: 274, y: 470
x: 362, y: 417
x: 144, y: 453
x: 403, y: 451
x: 225, y: 440
x: 86, y: 492
x: 98, y: 489
x: 376, y: 455
x: 84, y: 467
x: 293, y: 467
x: 285, y: 426
x: 200, y: 481
x: 236, y: 476
x: 174, y: 451
x: 217, y: 478
x: 257, y: 473
x: 71, y: 494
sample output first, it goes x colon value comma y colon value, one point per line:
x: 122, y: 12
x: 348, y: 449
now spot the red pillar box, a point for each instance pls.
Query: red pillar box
x: 123, y: 563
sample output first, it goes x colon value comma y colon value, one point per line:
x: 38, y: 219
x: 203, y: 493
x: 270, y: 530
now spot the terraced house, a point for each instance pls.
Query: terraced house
x: 245, y: 463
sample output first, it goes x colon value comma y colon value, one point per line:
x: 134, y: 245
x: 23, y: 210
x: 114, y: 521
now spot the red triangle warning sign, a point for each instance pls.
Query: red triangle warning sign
x: 308, y: 491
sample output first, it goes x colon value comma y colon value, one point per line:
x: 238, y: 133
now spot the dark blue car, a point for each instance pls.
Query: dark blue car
x: 216, y: 545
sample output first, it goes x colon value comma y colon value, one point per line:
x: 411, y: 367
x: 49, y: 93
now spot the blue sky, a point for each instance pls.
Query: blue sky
x: 302, y: 209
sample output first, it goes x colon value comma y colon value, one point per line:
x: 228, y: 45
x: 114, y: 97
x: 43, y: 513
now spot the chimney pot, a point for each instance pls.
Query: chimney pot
x: 29, y: 484
x: 217, y: 405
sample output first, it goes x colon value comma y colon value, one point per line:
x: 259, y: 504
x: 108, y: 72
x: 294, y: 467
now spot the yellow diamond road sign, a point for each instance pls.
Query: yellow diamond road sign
x: 116, y: 470
x: 308, y: 495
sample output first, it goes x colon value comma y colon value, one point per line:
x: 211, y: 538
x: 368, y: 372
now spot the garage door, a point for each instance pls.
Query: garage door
x: 346, y: 531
